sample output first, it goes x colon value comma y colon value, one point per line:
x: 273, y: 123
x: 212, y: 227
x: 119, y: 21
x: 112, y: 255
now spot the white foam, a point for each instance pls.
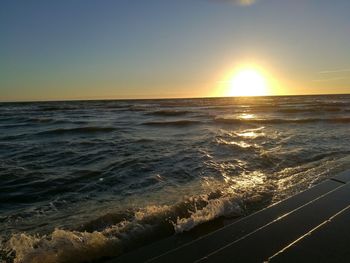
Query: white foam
x: 215, y: 208
x: 74, y: 246
x: 60, y: 246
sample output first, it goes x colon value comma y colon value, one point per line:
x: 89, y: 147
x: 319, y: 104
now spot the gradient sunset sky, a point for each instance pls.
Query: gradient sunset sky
x: 110, y: 49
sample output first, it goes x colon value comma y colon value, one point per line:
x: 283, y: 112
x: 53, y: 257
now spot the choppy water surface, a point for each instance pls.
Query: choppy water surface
x: 85, y: 180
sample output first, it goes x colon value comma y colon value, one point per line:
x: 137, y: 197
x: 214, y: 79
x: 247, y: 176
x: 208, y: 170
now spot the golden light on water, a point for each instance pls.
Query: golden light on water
x: 248, y: 82
x: 246, y: 116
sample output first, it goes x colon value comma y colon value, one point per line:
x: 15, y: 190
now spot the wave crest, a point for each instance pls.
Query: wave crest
x: 172, y: 123
x: 77, y: 130
x: 60, y: 246
x: 280, y: 121
x: 168, y: 113
x: 227, y: 206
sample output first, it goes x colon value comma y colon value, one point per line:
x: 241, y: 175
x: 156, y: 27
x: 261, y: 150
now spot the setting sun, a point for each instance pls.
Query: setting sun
x: 247, y: 82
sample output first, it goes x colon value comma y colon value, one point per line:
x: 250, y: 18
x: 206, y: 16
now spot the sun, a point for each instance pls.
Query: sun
x: 247, y: 82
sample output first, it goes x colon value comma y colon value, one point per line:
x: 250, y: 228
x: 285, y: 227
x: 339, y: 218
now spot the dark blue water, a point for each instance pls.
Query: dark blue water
x: 86, y: 179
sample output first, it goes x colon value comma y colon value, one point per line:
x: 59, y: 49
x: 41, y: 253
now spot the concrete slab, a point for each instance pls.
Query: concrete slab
x: 329, y: 242
x: 152, y: 250
x: 343, y: 177
x: 264, y: 242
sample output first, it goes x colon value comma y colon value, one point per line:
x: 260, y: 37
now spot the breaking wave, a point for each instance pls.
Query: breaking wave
x: 114, y: 234
x: 58, y: 108
x: 77, y: 130
x: 172, y: 123
x: 168, y: 113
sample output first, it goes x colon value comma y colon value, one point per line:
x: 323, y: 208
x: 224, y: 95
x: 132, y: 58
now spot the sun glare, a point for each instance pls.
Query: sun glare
x: 247, y: 82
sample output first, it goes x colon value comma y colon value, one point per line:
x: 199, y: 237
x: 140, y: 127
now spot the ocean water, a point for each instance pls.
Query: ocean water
x: 85, y: 180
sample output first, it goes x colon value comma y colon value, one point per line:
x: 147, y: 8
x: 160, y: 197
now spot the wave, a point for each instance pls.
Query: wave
x: 307, y: 110
x: 77, y: 130
x: 45, y: 120
x: 138, y: 108
x: 281, y: 121
x: 215, y: 208
x: 238, y: 144
x: 168, y: 113
x: 172, y: 123
x: 14, y: 137
x: 41, y: 120
x: 280, y: 108
x: 58, y: 108
x: 114, y: 234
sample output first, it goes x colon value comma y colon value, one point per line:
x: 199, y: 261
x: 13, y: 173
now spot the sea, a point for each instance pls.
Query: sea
x: 82, y: 181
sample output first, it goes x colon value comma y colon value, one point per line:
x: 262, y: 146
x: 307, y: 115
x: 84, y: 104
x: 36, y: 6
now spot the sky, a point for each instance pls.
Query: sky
x: 119, y: 49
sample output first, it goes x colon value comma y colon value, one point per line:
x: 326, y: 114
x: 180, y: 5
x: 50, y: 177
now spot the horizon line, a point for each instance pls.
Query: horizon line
x: 166, y: 98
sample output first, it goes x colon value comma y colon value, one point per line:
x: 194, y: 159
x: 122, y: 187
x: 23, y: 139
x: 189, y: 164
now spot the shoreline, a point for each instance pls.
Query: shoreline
x: 287, y: 226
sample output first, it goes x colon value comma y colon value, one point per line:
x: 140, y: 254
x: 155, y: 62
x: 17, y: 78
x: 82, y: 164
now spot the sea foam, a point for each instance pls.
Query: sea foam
x: 146, y: 225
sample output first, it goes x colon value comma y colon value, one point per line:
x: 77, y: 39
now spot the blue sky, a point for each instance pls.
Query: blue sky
x: 76, y: 49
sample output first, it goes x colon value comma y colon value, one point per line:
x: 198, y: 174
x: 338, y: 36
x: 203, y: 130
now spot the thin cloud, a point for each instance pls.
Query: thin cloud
x: 246, y: 2
x: 330, y: 79
x: 238, y: 2
x: 334, y: 71
x: 333, y: 75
